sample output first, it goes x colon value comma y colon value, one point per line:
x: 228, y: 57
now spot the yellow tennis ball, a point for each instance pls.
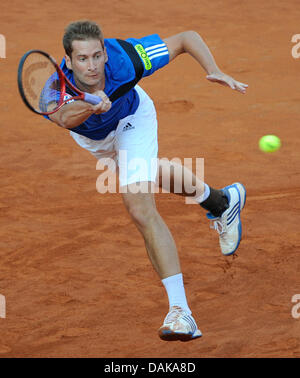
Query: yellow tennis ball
x: 269, y: 143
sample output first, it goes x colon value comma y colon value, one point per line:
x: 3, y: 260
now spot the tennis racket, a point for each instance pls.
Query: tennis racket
x: 44, y: 87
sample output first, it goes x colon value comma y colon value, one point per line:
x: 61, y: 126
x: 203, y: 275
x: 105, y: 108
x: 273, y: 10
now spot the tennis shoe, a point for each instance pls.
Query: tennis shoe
x: 229, y: 225
x: 179, y: 325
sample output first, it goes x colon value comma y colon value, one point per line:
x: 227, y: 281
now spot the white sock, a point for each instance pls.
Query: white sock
x: 205, y: 195
x: 176, y: 292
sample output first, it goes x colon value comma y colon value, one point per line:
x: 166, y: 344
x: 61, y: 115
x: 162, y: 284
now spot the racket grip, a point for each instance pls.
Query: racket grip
x: 91, y: 99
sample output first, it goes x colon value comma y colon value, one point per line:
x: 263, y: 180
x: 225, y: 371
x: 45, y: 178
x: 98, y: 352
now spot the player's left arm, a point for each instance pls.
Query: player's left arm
x: 191, y: 42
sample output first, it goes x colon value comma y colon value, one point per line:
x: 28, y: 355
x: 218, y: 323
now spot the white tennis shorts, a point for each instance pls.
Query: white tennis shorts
x: 132, y: 146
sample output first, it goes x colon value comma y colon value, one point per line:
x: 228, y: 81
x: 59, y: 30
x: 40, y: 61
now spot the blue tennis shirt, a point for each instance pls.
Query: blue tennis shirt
x: 119, y: 70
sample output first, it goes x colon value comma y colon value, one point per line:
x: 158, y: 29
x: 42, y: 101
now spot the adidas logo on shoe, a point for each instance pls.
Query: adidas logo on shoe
x: 179, y: 325
x: 128, y: 126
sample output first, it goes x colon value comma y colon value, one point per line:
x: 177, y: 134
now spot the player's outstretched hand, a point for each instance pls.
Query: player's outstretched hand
x: 104, y: 105
x: 226, y: 80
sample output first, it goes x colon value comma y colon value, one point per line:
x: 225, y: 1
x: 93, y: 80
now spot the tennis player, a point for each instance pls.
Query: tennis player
x: 107, y: 68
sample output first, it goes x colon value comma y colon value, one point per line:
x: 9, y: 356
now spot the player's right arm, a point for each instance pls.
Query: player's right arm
x: 75, y: 113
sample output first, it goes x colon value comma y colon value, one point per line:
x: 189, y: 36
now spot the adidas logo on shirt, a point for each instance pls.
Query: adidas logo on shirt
x: 128, y: 126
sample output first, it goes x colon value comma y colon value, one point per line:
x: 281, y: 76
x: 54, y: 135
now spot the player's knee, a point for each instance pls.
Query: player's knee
x: 142, y: 215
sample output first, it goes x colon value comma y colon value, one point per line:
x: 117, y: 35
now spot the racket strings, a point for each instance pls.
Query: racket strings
x: 41, y: 84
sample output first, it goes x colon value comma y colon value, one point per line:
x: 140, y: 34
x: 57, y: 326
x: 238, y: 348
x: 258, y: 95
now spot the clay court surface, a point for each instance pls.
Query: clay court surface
x: 73, y: 268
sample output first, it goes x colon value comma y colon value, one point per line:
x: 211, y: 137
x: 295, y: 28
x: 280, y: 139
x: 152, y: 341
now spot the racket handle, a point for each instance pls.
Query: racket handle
x: 91, y: 99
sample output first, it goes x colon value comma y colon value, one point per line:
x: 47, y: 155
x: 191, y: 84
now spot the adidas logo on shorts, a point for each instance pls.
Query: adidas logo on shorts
x: 128, y: 126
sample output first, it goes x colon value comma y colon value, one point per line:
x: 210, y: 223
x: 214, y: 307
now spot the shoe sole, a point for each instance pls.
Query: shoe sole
x: 166, y: 335
x: 236, y: 185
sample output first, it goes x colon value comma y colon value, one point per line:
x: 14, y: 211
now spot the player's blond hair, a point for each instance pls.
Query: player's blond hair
x: 81, y: 31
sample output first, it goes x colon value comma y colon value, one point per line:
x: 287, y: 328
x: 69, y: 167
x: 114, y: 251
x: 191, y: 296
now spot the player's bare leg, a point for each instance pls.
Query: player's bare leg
x: 179, y: 323
x: 178, y: 179
x: 159, y: 241
x: 224, y: 205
